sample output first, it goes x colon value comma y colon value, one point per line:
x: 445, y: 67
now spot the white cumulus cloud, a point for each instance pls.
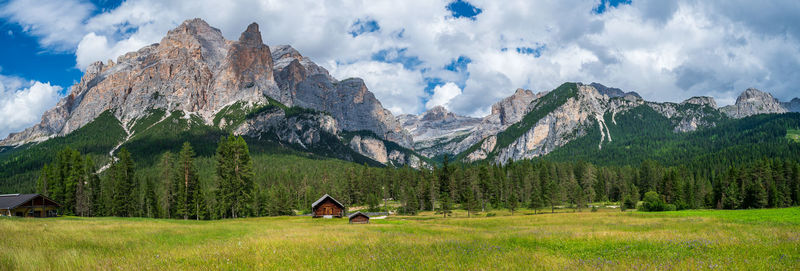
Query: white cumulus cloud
x: 443, y: 94
x: 665, y: 50
x: 22, y: 103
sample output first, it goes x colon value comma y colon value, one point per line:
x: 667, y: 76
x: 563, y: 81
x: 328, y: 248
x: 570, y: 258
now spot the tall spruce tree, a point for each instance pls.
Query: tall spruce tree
x: 588, y: 180
x: 445, y: 199
x: 122, y: 173
x: 186, y: 183
x: 95, y: 190
x: 166, y: 177
x: 235, y: 173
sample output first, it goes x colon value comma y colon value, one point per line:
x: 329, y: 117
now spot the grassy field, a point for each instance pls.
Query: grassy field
x: 693, y: 240
x: 793, y: 135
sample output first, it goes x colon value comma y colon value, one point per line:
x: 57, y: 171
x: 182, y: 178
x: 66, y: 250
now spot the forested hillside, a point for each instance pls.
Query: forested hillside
x: 712, y: 168
x: 175, y: 166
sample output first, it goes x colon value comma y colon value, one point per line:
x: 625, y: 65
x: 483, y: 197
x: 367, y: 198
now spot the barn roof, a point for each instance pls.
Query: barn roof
x: 320, y: 200
x: 11, y: 201
x: 357, y: 213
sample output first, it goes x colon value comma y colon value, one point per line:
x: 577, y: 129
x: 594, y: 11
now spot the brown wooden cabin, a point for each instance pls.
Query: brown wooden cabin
x: 28, y: 205
x: 358, y: 218
x: 327, y: 206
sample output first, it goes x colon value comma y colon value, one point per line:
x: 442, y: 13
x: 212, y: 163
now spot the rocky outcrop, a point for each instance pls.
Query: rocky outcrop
x: 560, y: 126
x: 483, y: 151
x: 370, y: 147
x: 512, y: 108
x: 349, y: 101
x: 587, y: 110
x: 192, y: 69
x: 376, y: 149
x: 304, y: 130
x: 435, y: 127
x: 196, y: 70
x: 701, y: 101
x: 793, y: 105
x: 354, y: 107
x: 751, y: 102
x: 612, y: 92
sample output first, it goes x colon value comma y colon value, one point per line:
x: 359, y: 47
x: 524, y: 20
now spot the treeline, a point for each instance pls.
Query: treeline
x: 177, y: 192
x: 230, y: 184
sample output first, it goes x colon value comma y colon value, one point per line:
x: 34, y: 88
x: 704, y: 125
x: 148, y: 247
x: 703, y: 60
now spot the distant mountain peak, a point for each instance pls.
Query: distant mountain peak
x: 752, y: 102
x: 755, y: 95
x: 437, y: 113
x: 701, y: 100
x: 612, y: 92
x: 511, y: 109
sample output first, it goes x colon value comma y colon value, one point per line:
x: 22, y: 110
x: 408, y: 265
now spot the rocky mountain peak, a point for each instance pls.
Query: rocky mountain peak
x: 437, y: 113
x: 793, y: 105
x: 196, y: 70
x: 752, y: 95
x: 612, y: 92
x: 702, y: 101
x: 285, y: 54
x: 193, y: 30
x: 512, y: 108
x: 251, y: 36
x: 753, y: 101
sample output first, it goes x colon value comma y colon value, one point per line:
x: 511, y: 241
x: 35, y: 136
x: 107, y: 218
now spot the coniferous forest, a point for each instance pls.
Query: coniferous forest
x: 231, y: 184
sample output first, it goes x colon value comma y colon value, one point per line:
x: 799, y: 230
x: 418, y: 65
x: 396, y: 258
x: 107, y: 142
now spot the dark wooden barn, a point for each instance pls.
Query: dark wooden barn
x: 359, y: 218
x: 327, y: 207
x: 28, y: 205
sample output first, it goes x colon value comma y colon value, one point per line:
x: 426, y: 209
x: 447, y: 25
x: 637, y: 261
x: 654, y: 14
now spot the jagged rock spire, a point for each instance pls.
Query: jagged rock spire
x: 251, y: 36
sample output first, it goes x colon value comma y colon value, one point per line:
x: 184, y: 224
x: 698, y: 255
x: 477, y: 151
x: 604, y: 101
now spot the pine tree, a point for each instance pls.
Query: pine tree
x: 280, y: 202
x: 200, y: 208
x: 82, y: 203
x: 513, y: 201
x: 572, y: 191
x: 755, y: 195
x: 235, y: 173
x: 536, y: 199
x: 123, y: 176
x: 444, y: 187
x: 796, y: 193
x: 95, y: 189
x: 186, y: 183
x: 588, y: 180
x: 76, y: 175
x: 167, y: 179
x: 471, y: 202
x: 151, y: 206
x: 41, y: 182
x: 730, y: 196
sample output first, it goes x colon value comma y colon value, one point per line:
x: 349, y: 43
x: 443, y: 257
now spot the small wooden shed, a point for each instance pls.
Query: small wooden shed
x: 328, y: 207
x: 359, y: 218
x: 28, y: 205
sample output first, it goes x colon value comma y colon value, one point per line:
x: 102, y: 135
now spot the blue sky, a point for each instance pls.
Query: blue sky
x: 21, y: 54
x: 464, y: 55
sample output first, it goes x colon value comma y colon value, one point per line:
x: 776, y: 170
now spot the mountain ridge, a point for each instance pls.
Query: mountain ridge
x: 236, y: 85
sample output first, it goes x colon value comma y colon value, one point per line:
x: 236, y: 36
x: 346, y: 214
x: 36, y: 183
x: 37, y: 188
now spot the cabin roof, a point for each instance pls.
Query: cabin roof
x: 11, y: 201
x: 320, y: 200
x: 356, y: 214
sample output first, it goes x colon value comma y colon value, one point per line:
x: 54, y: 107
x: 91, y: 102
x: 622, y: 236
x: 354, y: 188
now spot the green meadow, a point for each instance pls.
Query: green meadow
x: 766, y: 239
x: 793, y: 135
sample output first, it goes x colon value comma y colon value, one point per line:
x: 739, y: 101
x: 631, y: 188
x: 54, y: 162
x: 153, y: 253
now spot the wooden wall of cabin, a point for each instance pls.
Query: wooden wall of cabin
x: 327, y: 207
x: 360, y: 219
